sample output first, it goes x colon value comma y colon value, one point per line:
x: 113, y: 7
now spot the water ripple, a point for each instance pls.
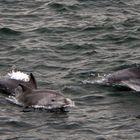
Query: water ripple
x: 64, y: 7
x: 8, y: 32
x: 70, y: 46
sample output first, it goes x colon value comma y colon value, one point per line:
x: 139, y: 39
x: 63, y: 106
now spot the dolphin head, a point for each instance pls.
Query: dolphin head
x: 42, y: 98
x: 53, y: 99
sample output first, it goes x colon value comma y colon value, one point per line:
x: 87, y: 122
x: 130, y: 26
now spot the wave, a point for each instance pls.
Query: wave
x: 63, y: 7
x: 76, y: 46
x: 56, y: 29
x: 8, y: 31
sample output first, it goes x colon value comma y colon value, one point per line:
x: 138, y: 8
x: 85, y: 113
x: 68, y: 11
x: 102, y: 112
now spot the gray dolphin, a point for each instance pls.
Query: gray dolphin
x: 8, y: 86
x: 29, y: 97
x: 128, y: 77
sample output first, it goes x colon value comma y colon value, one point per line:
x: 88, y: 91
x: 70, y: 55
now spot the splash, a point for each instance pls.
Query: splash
x: 13, y: 100
x: 100, y: 79
x: 70, y: 103
x: 18, y: 75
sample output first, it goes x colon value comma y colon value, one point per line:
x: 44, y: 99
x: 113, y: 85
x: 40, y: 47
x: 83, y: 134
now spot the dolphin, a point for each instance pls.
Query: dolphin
x: 129, y: 77
x: 8, y: 85
x: 44, y: 98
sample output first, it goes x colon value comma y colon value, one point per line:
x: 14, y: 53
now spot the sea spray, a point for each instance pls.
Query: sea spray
x: 18, y: 75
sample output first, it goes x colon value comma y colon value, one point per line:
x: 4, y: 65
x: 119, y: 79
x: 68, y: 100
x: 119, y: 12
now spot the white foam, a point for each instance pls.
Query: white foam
x: 18, y: 75
x: 70, y: 103
x: 98, y: 80
x: 41, y: 106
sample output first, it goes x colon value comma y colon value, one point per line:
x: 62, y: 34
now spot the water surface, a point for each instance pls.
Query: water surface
x: 65, y: 43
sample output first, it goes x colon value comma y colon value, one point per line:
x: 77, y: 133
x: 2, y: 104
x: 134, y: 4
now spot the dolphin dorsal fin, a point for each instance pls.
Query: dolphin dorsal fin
x: 32, y: 81
x: 25, y: 89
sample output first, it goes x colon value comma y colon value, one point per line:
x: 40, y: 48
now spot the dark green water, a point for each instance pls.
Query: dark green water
x: 66, y: 44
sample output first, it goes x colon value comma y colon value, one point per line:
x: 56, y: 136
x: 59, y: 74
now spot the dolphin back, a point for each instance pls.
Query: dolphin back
x: 124, y: 75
